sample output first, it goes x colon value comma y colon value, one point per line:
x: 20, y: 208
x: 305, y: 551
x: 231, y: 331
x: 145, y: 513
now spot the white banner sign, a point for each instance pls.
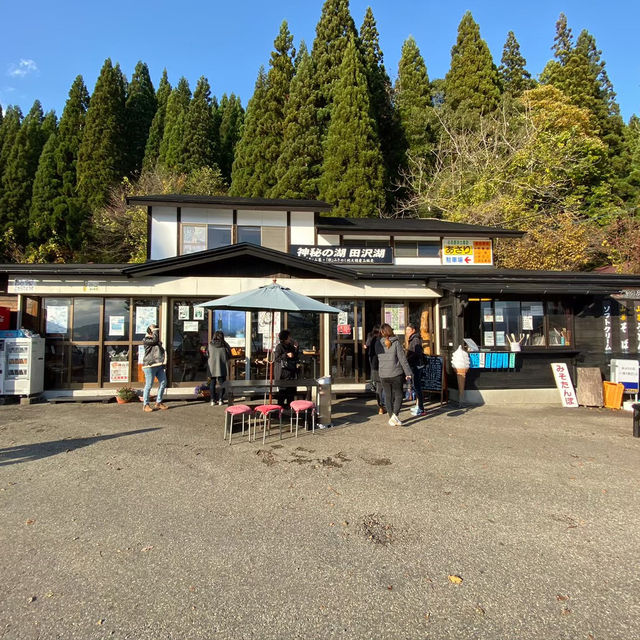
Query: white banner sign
x: 564, y: 384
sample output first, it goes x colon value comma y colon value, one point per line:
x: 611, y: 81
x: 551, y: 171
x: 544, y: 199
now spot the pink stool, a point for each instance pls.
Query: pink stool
x: 236, y: 410
x: 265, y: 412
x: 303, y: 405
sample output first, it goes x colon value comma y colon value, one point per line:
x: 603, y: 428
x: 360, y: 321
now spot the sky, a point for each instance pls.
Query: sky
x: 45, y: 45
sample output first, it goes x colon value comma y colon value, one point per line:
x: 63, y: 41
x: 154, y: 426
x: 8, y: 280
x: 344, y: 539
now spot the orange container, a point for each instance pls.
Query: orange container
x: 613, y: 394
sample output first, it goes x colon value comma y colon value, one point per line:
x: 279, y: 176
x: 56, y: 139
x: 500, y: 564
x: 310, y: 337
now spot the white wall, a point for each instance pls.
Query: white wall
x: 263, y: 218
x: 327, y: 239
x: 164, y: 232
x: 303, y: 227
x: 200, y: 215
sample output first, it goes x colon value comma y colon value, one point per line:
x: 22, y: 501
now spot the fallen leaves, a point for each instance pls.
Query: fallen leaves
x: 30, y: 521
x: 454, y: 579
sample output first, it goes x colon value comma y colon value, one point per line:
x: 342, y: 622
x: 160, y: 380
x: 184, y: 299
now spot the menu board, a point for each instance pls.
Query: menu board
x: 432, y: 374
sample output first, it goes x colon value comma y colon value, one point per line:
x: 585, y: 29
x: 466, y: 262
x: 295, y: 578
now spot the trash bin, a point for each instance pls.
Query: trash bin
x: 636, y: 420
x: 323, y: 402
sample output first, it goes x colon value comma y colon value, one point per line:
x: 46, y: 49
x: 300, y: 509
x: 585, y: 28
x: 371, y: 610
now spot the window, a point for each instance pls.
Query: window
x: 501, y: 323
x: 249, y: 234
x: 218, y: 236
x: 275, y: 238
x: 417, y: 249
x: 194, y: 238
x: 365, y: 243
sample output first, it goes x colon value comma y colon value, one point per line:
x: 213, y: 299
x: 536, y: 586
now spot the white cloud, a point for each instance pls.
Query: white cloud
x: 23, y: 68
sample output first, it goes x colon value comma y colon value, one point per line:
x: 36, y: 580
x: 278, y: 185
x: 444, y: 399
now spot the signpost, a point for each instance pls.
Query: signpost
x: 466, y: 251
x: 564, y: 384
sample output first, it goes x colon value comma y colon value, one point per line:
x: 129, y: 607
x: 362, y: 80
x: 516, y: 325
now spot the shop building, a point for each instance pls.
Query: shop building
x: 437, y: 274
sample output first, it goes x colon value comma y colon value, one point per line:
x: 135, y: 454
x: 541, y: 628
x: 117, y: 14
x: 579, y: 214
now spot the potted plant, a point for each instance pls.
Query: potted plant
x: 126, y: 394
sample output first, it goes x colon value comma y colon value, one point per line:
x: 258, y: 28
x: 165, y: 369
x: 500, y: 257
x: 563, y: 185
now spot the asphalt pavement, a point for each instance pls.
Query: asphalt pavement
x: 516, y: 522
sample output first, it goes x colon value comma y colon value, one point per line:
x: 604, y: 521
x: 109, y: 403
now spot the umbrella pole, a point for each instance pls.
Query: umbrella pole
x: 271, y: 360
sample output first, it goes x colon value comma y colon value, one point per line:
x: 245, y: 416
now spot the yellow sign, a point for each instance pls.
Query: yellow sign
x: 465, y: 251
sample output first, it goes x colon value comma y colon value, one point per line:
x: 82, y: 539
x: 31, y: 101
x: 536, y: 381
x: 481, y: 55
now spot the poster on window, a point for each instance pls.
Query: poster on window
x: 183, y: 312
x: 191, y: 326
x: 119, y: 371
x: 264, y: 322
x: 527, y: 322
x: 394, y: 316
x: 145, y: 317
x: 140, y: 354
x: 198, y: 313
x: 488, y: 339
x: 116, y: 326
x: 57, y: 319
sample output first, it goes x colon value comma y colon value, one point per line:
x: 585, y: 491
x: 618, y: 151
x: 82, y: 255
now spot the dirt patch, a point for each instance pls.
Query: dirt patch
x: 377, y: 530
x: 340, y: 456
x: 267, y: 457
x: 330, y: 462
x: 377, y: 462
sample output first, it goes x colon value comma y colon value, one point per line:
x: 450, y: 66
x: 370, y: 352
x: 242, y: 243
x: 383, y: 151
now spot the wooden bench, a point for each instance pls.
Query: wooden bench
x: 245, y: 388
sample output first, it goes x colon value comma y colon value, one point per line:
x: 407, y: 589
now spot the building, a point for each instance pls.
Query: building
x: 437, y: 274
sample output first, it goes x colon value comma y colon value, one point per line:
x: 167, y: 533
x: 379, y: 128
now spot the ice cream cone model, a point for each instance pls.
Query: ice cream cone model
x: 461, y: 374
x: 460, y: 361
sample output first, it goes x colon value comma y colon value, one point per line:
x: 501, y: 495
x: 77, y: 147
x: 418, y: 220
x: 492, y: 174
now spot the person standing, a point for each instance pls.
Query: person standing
x: 219, y: 358
x: 415, y: 358
x: 372, y: 339
x: 153, y: 367
x: 285, y: 359
x: 393, y: 369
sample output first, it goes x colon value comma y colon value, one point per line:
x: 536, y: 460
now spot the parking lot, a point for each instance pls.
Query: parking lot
x: 492, y: 522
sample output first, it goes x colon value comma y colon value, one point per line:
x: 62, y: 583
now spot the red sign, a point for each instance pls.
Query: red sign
x: 5, y: 319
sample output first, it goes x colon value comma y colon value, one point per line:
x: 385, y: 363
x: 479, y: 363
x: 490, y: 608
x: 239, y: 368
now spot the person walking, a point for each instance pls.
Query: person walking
x: 285, y: 359
x: 393, y: 369
x: 372, y: 339
x: 153, y: 367
x: 219, y: 358
x: 415, y: 358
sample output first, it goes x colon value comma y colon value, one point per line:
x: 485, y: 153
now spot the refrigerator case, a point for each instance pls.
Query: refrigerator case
x: 22, y: 364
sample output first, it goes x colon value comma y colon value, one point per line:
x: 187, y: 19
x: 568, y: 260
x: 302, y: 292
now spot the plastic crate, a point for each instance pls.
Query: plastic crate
x: 613, y: 392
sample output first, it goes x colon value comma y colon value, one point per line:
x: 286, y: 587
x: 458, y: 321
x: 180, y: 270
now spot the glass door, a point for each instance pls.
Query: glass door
x: 345, y: 341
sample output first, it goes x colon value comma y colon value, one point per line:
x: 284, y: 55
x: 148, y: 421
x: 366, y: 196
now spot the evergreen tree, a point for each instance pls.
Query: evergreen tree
x: 513, y: 74
x: 49, y: 125
x: 171, y: 147
x: 8, y: 132
x: 198, y: 145
x: 414, y: 103
x: 17, y: 180
x: 243, y: 167
x: 100, y: 156
x: 270, y: 121
x: 387, y: 123
x: 333, y: 32
x: 156, y: 131
x: 352, y: 172
x: 231, y: 116
x: 298, y: 167
x: 140, y: 108
x: 563, y: 40
x: 472, y: 83
x: 46, y: 188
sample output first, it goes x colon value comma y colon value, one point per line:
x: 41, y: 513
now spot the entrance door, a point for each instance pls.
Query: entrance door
x: 346, y: 337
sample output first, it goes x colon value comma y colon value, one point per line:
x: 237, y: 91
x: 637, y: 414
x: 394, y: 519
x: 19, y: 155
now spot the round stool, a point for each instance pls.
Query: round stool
x: 303, y: 405
x: 236, y: 410
x: 265, y: 412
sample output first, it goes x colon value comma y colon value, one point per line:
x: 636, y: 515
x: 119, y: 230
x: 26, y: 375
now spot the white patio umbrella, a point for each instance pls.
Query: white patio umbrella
x: 272, y: 297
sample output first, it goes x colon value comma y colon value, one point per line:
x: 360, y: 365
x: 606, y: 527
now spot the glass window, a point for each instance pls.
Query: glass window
x: 305, y: 330
x: 194, y: 238
x: 116, y: 320
x: 394, y: 313
x: 274, y: 238
x: 218, y: 236
x: 189, y: 343
x: 366, y: 243
x: 86, y: 319
x: 84, y: 364
x: 429, y: 249
x: 56, y: 363
x: 405, y: 249
x: 57, y: 313
x: 145, y: 313
x: 249, y: 234
x: 559, y: 324
x: 116, y: 364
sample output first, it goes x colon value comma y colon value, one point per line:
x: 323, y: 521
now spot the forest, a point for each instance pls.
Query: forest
x: 487, y: 144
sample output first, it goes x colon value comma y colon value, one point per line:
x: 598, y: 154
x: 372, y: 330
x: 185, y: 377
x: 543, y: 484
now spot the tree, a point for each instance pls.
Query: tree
x: 8, y: 132
x: 231, y: 115
x: 140, y: 108
x: 413, y: 102
x: 198, y: 142
x: 387, y: 124
x: 472, y: 83
x: 352, y: 172
x: 513, y: 74
x: 156, y: 131
x: 333, y: 33
x: 100, y: 156
x: 170, y: 154
x: 298, y: 167
x: 19, y: 173
x: 243, y: 168
x: 46, y: 188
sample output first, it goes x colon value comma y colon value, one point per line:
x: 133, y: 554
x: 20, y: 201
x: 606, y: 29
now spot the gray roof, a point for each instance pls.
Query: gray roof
x: 230, y: 202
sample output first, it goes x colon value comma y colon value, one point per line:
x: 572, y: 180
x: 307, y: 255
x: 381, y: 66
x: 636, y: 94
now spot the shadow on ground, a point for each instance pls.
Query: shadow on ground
x: 39, y: 450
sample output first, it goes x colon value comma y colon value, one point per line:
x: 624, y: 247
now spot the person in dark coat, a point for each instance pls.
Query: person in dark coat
x: 415, y: 358
x: 285, y: 363
x: 153, y: 367
x: 219, y: 358
x: 372, y: 338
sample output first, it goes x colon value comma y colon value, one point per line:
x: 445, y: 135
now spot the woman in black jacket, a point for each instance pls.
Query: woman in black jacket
x: 415, y: 358
x: 285, y: 360
x: 153, y: 367
x: 372, y: 338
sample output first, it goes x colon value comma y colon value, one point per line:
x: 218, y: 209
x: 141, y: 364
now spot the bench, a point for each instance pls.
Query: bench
x: 235, y: 388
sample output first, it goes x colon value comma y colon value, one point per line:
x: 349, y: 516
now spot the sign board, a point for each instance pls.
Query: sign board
x: 343, y: 255
x: 564, y: 384
x: 433, y: 373
x: 466, y: 251
x: 590, y: 387
x: 23, y: 285
x: 626, y: 372
x: 119, y: 371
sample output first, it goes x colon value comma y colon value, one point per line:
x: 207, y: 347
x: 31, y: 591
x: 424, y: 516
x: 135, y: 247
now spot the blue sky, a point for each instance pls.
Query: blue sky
x: 44, y: 45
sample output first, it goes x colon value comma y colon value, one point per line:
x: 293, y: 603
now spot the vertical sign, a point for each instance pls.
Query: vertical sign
x: 564, y: 384
x: 606, y: 316
x: 624, y: 328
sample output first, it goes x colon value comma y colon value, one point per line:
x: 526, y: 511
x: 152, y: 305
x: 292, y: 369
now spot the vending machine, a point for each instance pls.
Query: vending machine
x: 21, y: 363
